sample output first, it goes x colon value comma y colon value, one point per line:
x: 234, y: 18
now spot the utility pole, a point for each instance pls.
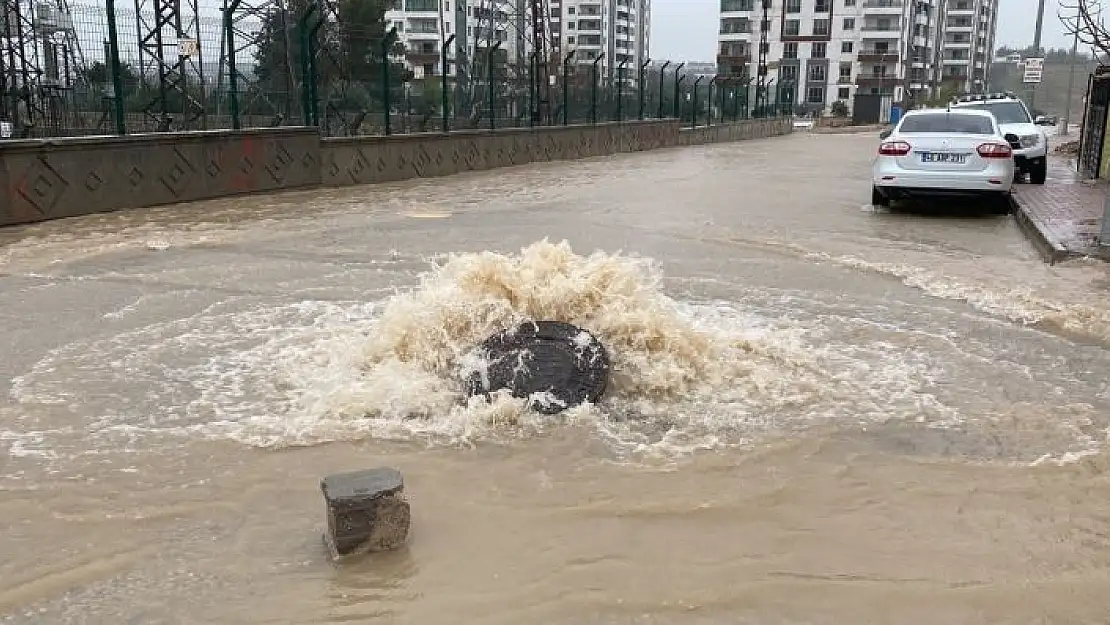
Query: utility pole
x: 1037, y: 50
x: 1071, y: 82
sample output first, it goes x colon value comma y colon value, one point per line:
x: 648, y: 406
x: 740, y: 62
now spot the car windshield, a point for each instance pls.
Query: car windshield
x: 949, y: 123
x: 1008, y: 112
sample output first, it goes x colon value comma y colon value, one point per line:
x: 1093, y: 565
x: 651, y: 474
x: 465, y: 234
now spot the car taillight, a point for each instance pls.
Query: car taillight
x: 995, y: 150
x: 894, y: 148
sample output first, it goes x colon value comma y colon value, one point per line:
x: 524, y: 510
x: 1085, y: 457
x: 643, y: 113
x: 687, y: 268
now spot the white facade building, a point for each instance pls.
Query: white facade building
x: 817, y: 52
x: 423, y: 26
x: 617, y: 30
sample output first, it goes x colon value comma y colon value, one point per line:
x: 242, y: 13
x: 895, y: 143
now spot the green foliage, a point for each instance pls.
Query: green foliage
x: 349, y: 54
x: 839, y: 108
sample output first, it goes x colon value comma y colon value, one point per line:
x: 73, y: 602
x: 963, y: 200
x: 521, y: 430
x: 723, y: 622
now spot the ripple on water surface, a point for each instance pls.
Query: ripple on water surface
x: 688, y: 373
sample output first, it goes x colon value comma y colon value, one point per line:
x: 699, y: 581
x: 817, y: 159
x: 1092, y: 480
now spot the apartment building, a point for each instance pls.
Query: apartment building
x: 817, y: 52
x: 617, y: 30
x: 423, y: 26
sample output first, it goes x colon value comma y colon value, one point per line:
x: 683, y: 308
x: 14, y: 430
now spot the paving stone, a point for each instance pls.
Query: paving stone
x: 1065, y: 213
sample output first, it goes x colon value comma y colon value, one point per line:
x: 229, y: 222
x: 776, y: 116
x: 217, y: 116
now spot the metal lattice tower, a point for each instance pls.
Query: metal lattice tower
x: 761, y: 67
x: 541, y: 49
x: 40, y: 62
x: 170, y: 54
x: 247, y: 18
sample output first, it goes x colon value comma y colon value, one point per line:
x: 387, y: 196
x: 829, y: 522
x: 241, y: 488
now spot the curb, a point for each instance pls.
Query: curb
x: 1051, y: 254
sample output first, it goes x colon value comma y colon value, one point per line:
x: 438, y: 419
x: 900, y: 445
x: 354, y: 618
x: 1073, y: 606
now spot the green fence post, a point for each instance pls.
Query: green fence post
x: 677, y: 82
x: 593, y: 88
x: 709, y: 100
x: 443, y: 68
x: 662, y: 75
x: 492, y: 91
x: 620, y: 90
x: 232, y: 69
x: 306, y: 78
x: 114, y: 64
x: 387, y: 41
x: 566, y: 87
x: 766, y: 94
x: 694, y: 115
x: 533, y: 91
x: 643, y: 74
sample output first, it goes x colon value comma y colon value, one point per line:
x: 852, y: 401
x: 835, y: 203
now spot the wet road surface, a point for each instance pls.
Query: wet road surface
x: 824, y: 414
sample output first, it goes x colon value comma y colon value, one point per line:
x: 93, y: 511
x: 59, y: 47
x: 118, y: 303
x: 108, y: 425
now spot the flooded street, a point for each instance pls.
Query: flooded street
x: 820, y: 413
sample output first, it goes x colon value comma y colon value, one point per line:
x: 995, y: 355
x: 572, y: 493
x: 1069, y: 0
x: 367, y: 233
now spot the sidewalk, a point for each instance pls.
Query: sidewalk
x: 1063, y: 216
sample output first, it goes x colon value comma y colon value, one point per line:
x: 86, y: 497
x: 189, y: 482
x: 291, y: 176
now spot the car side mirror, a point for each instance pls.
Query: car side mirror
x: 886, y: 133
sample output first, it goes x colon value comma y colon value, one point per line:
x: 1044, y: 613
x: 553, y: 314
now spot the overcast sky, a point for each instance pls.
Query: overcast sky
x: 687, y: 29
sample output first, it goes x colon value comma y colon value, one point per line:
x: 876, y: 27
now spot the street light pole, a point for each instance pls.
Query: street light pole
x: 1071, y: 83
x: 1037, y: 52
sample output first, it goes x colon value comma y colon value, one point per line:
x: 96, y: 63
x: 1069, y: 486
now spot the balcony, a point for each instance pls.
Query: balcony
x: 961, y: 8
x: 883, y: 7
x: 881, y: 31
x: 874, y: 56
x: 422, y: 6
x: 733, y: 59
x: 877, y: 80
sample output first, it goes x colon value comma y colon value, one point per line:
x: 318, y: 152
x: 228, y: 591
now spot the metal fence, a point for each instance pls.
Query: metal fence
x: 163, y: 66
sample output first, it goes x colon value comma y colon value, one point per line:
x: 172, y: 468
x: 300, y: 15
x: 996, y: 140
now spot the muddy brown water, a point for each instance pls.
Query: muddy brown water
x: 900, y: 417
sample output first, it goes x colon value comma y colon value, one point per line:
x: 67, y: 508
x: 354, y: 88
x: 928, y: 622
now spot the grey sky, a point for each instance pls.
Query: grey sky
x: 687, y: 29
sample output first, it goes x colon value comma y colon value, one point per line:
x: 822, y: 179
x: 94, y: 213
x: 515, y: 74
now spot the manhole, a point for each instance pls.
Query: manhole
x: 556, y: 365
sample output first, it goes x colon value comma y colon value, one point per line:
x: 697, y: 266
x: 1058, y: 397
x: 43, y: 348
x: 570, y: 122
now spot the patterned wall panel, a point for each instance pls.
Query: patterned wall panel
x: 51, y: 179
x: 370, y: 160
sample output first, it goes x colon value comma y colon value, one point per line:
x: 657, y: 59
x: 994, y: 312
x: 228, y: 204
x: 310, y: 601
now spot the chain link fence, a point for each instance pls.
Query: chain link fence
x: 159, y: 67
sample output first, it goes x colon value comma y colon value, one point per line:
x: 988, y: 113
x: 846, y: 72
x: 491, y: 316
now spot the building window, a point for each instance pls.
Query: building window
x: 843, y: 93
x: 849, y: 3
x: 793, y: 6
x: 845, y: 71
x: 820, y: 27
x: 817, y: 73
x: 815, y: 95
x: 790, y: 50
x: 846, y: 47
x: 823, y: 6
x: 791, y: 28
x: 818, y: 50
x: 849, y: 23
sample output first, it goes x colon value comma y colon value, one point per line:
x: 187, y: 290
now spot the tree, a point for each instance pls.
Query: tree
x: 1083, y: 20
x: 349, y: 54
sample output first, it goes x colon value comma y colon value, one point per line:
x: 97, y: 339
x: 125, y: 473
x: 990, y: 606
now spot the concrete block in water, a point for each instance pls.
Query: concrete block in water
x: 367, y: 511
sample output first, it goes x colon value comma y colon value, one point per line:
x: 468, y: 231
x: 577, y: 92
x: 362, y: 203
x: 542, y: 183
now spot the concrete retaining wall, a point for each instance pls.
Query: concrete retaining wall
x: 363, y: 160
x: 737, y: 131
x: 50, y: 179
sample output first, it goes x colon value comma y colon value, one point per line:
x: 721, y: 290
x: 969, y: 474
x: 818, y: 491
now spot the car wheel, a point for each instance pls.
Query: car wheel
x: 878, y: 199
x: 1038, y: 174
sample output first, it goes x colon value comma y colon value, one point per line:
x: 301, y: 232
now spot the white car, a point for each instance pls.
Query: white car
x: 1028, y: 140
x: 944, y: 152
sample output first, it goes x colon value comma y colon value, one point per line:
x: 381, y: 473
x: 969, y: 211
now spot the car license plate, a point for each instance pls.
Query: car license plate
x: 943, y: 157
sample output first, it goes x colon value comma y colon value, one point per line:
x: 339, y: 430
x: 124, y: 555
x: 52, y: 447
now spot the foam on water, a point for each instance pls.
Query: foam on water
x: 686, y: 375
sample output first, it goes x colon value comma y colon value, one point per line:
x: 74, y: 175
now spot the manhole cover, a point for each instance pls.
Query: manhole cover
x: 565, y: 364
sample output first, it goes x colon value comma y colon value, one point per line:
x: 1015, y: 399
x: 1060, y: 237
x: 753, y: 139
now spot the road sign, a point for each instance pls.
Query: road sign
x: 187, y: 48
x: 1033, y: 69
